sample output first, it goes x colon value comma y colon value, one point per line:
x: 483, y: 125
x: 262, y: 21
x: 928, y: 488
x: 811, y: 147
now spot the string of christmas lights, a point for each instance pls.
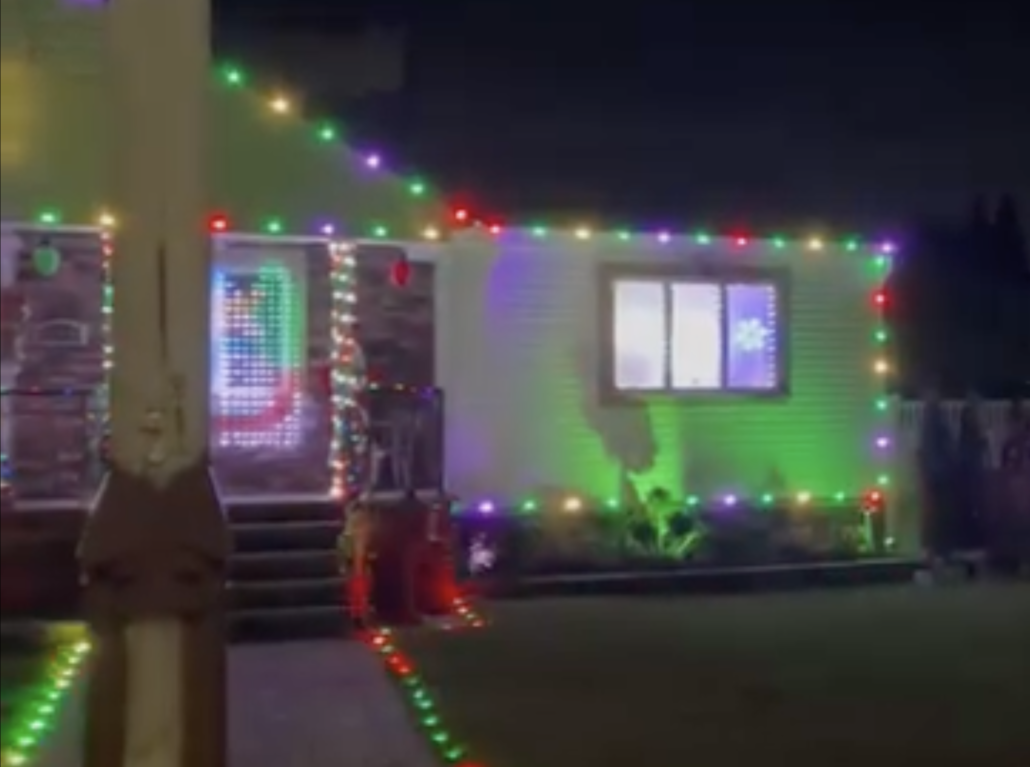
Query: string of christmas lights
x: 32, y: 722
x: 883, y: 438
x: 419, y: 698
x: 343, y: 375
x: 103, y: 398
x: 581, y: 503
x: 220, y: 223
x: 450, y: 217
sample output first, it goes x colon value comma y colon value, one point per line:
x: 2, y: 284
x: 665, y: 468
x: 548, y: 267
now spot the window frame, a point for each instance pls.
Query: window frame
x: 667, y: 275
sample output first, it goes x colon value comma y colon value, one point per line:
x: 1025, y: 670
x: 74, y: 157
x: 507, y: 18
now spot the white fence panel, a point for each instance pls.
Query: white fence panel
x: 904, y: 514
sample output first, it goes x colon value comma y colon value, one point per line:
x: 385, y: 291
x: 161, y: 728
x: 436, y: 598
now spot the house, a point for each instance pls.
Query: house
x: 576, y: 366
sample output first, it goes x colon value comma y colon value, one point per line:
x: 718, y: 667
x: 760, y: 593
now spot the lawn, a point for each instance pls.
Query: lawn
x: 30, y: 657
x: 885, y: 677
x: 21, y: 669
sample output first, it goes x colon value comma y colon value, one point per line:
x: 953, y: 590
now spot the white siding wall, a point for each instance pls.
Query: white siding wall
x: 53, y: 121
x: 519, y: 343
x: 57, y: 139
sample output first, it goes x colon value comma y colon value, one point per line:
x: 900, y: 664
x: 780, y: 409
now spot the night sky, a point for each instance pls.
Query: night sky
x: 716, y: 112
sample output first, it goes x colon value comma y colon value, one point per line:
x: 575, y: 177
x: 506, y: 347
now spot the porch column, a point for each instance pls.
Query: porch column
x: 154, y: 551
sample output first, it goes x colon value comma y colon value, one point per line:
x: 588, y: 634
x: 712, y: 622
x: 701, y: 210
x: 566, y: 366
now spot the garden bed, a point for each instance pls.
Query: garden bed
x: 514, y: 546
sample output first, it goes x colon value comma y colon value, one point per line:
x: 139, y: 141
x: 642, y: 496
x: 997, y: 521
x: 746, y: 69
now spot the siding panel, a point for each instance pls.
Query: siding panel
x: 519, y: 345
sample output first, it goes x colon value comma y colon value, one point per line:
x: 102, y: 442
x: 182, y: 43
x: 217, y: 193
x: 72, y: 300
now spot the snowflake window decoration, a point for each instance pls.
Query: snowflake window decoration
x: 751, y: 335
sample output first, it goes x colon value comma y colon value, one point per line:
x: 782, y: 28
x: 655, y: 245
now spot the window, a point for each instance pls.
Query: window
x: 258, y: 353
x: 700, y: 334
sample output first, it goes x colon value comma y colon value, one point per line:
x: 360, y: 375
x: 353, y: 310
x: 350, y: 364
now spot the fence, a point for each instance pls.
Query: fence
x: 993, y: 416
x: 51, y: 444
x: 905, y: 523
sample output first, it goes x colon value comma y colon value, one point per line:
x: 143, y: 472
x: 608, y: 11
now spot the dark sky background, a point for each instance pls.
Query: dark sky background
x: 718, y: 112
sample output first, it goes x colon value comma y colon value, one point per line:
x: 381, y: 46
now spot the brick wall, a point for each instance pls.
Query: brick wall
x: 54, y: 343
x: 396, y: 325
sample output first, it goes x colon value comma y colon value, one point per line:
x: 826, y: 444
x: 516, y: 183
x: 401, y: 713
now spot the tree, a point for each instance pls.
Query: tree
x: 1007, y: 241
x: 1014, y: 256
x: 929, y: 314
x: 960, y: 312
x: 980, y: 223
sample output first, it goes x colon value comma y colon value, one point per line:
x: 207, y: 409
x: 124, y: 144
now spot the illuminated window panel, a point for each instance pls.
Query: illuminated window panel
x: 696, y: 336
x: 753, y: 353
x: 257, y: 349
x: 639, y: 330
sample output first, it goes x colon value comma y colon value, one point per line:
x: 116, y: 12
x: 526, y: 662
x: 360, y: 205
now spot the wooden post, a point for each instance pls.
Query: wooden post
x: 154, y: 551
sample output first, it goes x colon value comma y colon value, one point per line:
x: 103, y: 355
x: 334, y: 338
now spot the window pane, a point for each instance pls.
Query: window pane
x: 753, y: 324
x: 696, y: 336
x: 639, y: 330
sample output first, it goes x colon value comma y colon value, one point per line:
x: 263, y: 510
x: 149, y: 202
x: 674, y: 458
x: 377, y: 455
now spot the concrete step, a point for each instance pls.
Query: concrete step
x: 289, y: 624
x: 264, y: 537
x: 309, y: 511
x: 260, y: 595
x: 290, y: 564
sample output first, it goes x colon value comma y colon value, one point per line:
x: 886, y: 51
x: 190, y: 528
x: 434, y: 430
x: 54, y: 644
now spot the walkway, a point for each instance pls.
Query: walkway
x: 301, y: 704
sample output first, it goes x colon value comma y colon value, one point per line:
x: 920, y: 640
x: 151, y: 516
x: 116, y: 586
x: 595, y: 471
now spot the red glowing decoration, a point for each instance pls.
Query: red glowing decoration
x: 400, y: 272
x: 325, y: 378
x: 218, y: 223
x: 873, y: 502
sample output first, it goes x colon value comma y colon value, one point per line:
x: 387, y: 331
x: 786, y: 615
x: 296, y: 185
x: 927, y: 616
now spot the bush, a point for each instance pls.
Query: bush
x: 659, y: 533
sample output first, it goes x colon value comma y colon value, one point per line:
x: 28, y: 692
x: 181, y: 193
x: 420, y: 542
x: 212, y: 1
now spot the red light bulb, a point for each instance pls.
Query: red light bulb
x: 218, y: 223
x: 873, y: 502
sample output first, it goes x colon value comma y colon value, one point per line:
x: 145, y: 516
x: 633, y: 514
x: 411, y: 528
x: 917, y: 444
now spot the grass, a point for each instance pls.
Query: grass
x: 20, y: 671
x: 891, y: 677
x: 26, y: 662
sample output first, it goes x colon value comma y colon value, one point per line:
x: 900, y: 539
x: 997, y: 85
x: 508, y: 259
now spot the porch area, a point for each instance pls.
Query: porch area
x: 54, y: 446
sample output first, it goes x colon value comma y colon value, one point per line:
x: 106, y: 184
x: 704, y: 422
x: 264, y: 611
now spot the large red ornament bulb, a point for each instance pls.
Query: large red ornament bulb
x: 400, y: 272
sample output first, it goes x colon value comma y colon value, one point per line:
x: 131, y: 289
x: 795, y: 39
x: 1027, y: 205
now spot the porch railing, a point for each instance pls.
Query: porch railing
x: 51, y: 443
x: 404, y: 427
